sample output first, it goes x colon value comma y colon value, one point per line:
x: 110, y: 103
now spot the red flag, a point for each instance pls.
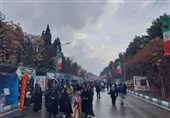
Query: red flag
x: 59, y: 61
x: 118, y: 68
x: 166, y: 35
x: 23, y: 90
x: 167, y: 48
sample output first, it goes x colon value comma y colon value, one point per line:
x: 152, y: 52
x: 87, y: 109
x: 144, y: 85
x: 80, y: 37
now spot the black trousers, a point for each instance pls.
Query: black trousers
x: 98, y: 94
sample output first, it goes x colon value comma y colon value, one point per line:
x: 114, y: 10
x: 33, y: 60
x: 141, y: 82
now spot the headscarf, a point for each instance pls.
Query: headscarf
x: 113, y: 87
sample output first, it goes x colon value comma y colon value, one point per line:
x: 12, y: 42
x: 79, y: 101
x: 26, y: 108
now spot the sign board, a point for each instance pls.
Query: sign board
x: 141, y: 83
x: 41, y: 80
x: 50, y: 75
x: 6, y: 91
x: 21, y: 71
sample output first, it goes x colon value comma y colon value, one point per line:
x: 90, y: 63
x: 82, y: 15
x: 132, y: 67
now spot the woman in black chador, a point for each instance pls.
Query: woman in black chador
x: 65, y: 103
x: 53, y: 103
x: 89, y: 101
x: 37, y: 98
x: 47, y: 95
x: 84, y: 103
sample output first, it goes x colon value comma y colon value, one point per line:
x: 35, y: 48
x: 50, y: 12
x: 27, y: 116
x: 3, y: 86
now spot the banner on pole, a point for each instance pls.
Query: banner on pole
x: 166, y: 35
x: 23, y: 90
x: 118, y: 68
x: 59, y: 65
x: 21, y: 71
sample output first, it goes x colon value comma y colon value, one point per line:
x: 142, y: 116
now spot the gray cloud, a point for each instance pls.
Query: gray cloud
x: 58, y: 14
x: 97, y: 30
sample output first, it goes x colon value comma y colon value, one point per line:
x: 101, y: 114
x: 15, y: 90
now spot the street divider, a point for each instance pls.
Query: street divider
x: 9, y: 108
x: 14, y: 107
x: 156, y: 101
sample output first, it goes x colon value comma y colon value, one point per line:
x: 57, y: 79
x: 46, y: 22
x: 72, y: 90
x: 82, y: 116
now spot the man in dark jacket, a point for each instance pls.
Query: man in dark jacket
x: 98, y: 89
x: 121, y: 93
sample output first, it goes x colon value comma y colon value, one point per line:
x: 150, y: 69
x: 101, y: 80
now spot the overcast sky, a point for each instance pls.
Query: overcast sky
x: 97, y: 29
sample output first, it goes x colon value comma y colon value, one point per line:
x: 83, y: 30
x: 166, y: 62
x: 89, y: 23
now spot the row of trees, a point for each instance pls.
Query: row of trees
x: 145, y: 57
x: 35, y: 51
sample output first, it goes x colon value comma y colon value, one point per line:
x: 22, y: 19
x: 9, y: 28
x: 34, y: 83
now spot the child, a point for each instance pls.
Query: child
x: 77, y: 100
x: 113, y: 94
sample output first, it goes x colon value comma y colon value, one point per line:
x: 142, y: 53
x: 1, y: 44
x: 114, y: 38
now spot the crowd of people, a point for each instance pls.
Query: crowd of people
x: 64, y: 99
x: 77, y: 100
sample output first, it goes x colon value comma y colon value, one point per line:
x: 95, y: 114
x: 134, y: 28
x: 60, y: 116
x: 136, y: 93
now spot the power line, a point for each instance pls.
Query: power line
x: 147, y: 14
x: 142, y: 21
x: 144, y: 24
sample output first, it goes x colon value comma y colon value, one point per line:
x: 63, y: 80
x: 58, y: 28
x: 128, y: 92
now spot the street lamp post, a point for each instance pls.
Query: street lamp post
x: 65, y: 44
x: 59, y: 57
x: 123, y: 75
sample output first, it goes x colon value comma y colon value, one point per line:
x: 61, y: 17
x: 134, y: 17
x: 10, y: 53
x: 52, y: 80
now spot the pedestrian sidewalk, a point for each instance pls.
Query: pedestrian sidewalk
x: 157, y: 100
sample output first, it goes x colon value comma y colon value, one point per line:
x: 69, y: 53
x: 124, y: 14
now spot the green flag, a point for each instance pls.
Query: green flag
x: 59, y: 65
x: 166, y: 35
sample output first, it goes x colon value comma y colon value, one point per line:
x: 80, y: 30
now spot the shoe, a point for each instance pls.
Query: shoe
x: 64, y: 116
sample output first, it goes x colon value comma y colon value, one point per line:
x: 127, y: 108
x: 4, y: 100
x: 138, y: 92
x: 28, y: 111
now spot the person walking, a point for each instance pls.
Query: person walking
x: 84, y: 102
x: 121, y: 93
x: 65, y: 103
x: 37, y: 98
x: 90, y: 95
x: 113, y: 94
x: 70, y: 91
x: 77, y: 101
x: 53, y: 103
x: 47, y: 95
x: 98, y: 89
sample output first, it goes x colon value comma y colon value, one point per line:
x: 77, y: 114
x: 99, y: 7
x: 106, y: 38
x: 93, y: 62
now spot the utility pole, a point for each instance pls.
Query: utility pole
x: 124, y: 68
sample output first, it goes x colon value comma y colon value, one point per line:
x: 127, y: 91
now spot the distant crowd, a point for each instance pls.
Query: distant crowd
x: 69, y: 99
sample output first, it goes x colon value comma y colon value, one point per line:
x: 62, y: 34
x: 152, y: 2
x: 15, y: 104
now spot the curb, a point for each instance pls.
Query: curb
x: 156, y: 101
x: 9, y: 108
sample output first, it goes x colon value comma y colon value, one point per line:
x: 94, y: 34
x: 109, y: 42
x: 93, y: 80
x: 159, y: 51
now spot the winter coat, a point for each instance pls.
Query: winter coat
x: 121, y: 89
x: 65, y: 103
x: 53, y: 103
